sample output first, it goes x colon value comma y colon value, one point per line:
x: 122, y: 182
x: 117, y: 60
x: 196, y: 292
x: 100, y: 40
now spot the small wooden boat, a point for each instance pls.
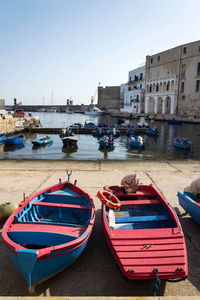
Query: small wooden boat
x: 15, y: 140
x: 136, y: 142
x: 182, y: 143
x: 152, y: 131
x: 190, y: 203
x: 175, y: 122
x: 144, y: 234
x: 2, y: 137
x: 49, y: 231
x: 106, y: 142
x: 69, y: 141
x: 42, y: 141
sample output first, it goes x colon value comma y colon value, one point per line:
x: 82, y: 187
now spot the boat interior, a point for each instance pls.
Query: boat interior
x: 52, y: 218
x: 141, y: 210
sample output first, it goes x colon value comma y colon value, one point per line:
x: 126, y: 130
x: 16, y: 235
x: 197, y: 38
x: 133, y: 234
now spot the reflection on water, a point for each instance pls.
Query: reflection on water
x: 12, y: 148
x: 69, y: 150
x: 156, y: 148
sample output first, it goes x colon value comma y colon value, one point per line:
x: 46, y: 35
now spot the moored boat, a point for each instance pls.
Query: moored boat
x: 152, y: 131
x: 136, y: 141
x: 94, y: 111
x: 143, y: 233
x: 2, y: 137
x: 70, y: 141
x: 182, y: 143
x: 49, y: 231
x: 14, y: 140
x: 106, y: 142
x: 42, y: 141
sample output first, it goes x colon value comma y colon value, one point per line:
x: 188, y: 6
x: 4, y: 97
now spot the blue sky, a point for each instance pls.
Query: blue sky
x: 69, y: 46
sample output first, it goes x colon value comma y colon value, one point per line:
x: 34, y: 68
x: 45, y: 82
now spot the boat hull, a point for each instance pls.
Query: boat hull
x: 49, y: 231
x: 190, y: 204
x: 145, y: 236
x: 14, y: 141
x: 40, y: 142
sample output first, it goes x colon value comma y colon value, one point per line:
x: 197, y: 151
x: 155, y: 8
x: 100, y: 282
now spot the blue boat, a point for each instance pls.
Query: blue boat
x: 190, y: 203
x: 175, y: 122
x: 48, y: 231
x: 136, y: 142
x: 14, y: 140
x: 106, y: 142
x: 182, y: 143
x: 42, y: 141
x: 152, y: 131
x: 2, y: 137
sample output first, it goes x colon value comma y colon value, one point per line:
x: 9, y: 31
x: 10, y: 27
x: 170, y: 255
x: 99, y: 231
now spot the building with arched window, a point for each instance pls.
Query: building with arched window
x: 173, y: 81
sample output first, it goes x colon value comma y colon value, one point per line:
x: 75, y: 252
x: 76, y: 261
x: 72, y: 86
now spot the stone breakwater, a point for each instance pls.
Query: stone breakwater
x: 15, y: 123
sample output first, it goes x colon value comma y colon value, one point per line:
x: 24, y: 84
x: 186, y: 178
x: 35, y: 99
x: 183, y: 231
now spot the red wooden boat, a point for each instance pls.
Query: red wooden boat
x: 144, y: 235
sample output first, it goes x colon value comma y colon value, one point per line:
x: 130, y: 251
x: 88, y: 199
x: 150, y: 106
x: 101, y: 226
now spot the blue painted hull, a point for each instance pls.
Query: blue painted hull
x: 49, y: 231
x: 182, y: 145
x: 14, y: 141
x: 2, y: 137
x: 135, y: 144
x: 102, y: 144
x: 152, y: 132
x: 187, y: 202
x: 42, y: 141
x: 47, y: 267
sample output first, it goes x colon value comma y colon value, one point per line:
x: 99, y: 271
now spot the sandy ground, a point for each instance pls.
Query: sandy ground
x: 95, y: 272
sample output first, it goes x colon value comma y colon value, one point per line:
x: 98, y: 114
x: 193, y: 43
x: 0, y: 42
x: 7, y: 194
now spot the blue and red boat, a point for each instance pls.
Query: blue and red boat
x: 143, y: 233
x: 152, y: 131
x: 14, y: 140
x: 49, y: 231
x: 106, y: 142
x: 182, y: 143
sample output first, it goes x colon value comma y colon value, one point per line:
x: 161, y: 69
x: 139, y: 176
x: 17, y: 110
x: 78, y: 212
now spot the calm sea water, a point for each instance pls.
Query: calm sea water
x: 160, y: 148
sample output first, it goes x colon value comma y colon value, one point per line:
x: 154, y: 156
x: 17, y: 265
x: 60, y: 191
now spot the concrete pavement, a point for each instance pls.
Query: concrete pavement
x: 95, y: 272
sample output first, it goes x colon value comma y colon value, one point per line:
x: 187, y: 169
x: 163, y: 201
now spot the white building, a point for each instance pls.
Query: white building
x: 132, y: 93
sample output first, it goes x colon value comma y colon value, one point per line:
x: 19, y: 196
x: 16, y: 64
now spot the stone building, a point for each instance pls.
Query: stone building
x: 132, y: 93
x: 173, y: 81
x: 109, y: 98
x: 2, y: 106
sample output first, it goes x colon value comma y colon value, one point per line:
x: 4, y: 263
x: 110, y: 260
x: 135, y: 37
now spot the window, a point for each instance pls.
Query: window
x: 184, y: 50
x: 199, y: 48
x: 150, y: 89
x: 183, y: 97
x: 197, y: 85
x: 167, y: 88
x: 183, y: 71
x: 158, y: 57
x: 157, y: 87
x: 141, y: 76
x: 130, y: 78
x: 151, y: 60
x: 198, y: 69
x: 136, y: 78
x: 182, y: 87
x: 140, y: 85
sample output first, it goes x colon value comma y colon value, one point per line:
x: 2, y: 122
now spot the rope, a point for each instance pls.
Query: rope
x: 156, y: 284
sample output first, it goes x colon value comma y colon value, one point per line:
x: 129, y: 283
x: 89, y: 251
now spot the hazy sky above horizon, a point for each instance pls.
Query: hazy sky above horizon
x: 70, y: 46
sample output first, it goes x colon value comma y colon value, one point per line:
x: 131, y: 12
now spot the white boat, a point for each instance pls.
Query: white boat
x: 94, y: 111
x: 41, y: 110
x: 69, y: 111
x: 142, y: 123
x: 51, y: 110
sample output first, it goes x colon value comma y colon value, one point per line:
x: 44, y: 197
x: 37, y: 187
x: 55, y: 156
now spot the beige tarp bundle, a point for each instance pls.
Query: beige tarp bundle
x: 194, y: 187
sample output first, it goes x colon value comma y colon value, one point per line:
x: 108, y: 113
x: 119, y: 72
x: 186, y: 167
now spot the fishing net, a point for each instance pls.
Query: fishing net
x: 130, y: 183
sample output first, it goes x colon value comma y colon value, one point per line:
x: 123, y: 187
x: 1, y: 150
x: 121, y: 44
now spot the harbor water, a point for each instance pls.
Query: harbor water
x: 156, y: 148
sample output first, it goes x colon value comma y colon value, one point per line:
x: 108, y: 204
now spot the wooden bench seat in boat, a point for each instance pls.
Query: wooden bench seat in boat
x: 61, y: 205
x: 140, y: 202
x: 142, y: 219
x: 39, y: 227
